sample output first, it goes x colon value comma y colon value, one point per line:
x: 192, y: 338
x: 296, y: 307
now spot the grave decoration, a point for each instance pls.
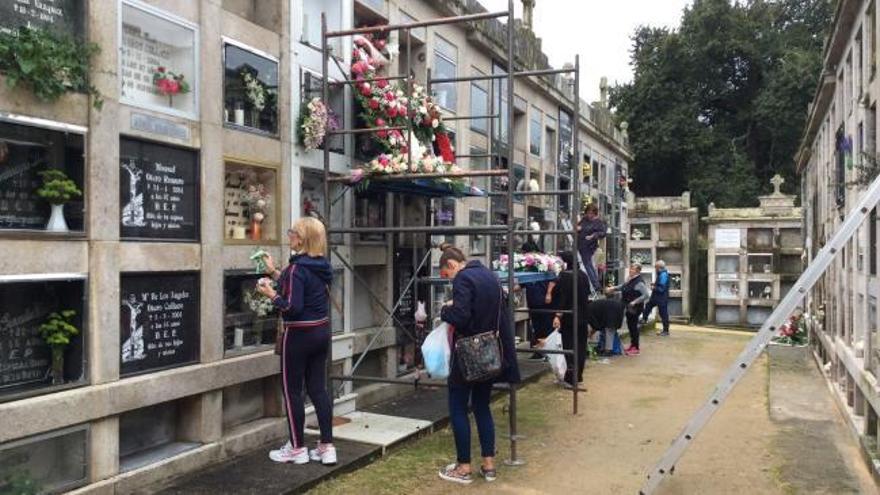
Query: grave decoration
x: 57, y: 332
x: 49, y: 64
x: 531, y: 262
x: 391, y: 108
x: 57, y: 189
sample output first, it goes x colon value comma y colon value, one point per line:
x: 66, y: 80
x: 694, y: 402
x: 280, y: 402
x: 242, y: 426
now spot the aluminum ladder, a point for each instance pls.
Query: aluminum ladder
x: 755, y: 347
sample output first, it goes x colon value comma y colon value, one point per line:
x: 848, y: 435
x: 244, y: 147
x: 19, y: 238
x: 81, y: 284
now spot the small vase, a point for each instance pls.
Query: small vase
x: 57, y: 365
x: 239, y: 114
x: 256, y: 231
x: 57, y: 223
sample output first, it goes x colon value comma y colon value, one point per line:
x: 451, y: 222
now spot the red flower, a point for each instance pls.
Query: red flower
x: 392, y: 112
x: 389, y: 96
x: 380, y: 122
x: 445, y: 147
x: 382, y: 134
x: 374, y: 104
x: 382, y: 83
x: 161, y: 69
x: 366, y: 90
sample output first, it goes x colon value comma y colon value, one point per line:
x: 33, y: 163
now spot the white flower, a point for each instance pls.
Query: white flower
x: 259, y: 217
x: 435, y: 123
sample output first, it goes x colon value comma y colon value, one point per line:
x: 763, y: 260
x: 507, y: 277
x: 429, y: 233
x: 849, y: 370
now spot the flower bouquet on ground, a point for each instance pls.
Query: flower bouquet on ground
x: 531, y: 262
x: 793, y: 332
x: 169, y: 84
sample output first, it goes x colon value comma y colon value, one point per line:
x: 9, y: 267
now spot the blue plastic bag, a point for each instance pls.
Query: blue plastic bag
x: 436, y: 352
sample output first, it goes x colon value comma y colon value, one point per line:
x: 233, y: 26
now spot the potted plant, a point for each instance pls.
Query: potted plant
x: 57, y: 189
x: 57, y: 332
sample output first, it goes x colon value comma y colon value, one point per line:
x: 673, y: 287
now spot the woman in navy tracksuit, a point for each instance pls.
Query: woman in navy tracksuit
x: 477, y: 306
x: 303, y: 301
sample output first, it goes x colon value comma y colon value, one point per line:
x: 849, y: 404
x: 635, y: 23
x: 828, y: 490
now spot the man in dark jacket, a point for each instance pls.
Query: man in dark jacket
x: 564, y: 299
x: 659, y: 298
x: 590, y: 229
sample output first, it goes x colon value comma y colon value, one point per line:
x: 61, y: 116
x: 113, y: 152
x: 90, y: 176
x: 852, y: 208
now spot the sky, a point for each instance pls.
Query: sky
x: 598, y: 30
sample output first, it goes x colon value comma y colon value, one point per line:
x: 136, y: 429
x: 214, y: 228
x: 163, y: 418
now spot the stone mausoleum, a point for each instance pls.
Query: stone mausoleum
x: 665, y: 228
x: 754, y: 258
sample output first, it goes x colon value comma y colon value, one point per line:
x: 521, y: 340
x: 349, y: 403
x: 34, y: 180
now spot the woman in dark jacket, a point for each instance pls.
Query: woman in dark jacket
x: 303, y: 301
x: 477, y: 306
x: 563, y: 299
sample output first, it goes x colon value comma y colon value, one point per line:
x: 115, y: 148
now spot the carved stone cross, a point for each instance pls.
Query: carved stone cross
x: 777, y: 182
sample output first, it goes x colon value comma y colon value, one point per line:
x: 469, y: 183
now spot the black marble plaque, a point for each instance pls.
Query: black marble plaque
x: 159, y: 194
x: 159, y: 321
x: 60, y: 16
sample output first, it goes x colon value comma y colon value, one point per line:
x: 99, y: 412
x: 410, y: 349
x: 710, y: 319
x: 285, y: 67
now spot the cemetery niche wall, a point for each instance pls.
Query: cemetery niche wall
x: 25, y: 153
x: 250, y: 89
x: 159, y: 194
x: 26, y: 365
x: 158, y: 61
x: 159, y: 321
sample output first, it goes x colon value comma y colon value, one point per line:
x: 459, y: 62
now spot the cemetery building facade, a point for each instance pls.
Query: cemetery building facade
x: 189, y: 166
x: 836, y: 162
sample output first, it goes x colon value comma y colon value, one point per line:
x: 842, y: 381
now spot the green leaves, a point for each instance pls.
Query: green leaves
x: 57, y: 188
x: 718, y: 106
x: 49, y: 64
x: 58, y: 328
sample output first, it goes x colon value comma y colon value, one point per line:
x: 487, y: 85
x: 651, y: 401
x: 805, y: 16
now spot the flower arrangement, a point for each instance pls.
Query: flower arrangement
x: 793, y: 332
x: 57, y: 331
x: 169, y: 83
x: 57, y: 188
x: 257, y: 198
x: 530, y: 262
x: 316, y: 120
x: 386, y: 164
x: 261, y: 306
x: 254, y: 90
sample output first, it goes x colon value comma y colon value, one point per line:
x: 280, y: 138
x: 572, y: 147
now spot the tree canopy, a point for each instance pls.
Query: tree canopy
x: 718, y: 106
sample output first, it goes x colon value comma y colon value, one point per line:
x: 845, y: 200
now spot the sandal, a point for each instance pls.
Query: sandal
x: 451, y: 473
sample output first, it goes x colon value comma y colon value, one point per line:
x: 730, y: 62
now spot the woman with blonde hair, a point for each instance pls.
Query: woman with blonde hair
x: 303, y: 301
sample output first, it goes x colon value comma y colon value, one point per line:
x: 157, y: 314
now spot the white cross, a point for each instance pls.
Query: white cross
x: 777, y: 182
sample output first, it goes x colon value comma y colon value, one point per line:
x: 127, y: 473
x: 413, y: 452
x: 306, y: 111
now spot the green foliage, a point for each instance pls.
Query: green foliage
x: 718, y: 107
x: 57, y: 188
x: 58, y: 328
x: 49, y: 64
x: 19, y: 483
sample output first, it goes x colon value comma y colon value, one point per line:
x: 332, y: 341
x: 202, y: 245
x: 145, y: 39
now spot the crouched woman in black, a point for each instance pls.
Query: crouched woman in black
x: 477, y: 306
x: 303, y: 300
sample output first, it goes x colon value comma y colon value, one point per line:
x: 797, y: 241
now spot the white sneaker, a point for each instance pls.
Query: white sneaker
x: 288, y: 454
x: 325, y: 454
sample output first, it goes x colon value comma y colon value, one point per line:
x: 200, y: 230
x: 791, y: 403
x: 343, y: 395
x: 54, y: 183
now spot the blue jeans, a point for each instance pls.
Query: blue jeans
x: 662, y: 308
x: 478, y: 394
x: 592, y: 274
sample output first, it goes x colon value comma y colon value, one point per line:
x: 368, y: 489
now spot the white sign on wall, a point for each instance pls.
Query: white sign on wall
x: 728, y: 238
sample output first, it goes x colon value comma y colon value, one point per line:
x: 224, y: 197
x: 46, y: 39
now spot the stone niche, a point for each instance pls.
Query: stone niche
x: 760, y: 263
x: 760, y: 238
x: 250, y: 90
x: 156, y: 42
x: 159, y: 321
x: 760, y: 290
x: 264, y: 13
x: 757, y: 315
x: 643, y: 257
x: 672, y: 256
x: 249, y: 322
x: 251, y: 201
x: 53, y: 462
x: 670, y: 232
x: 727, y: 315
x: 25, y: 358
x: 151, y: 434
x: 25, y: 152
x: 245, y: 402
x: 727, y: 264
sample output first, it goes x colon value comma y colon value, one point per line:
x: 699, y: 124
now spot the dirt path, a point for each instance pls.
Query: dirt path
x: 633, y: 409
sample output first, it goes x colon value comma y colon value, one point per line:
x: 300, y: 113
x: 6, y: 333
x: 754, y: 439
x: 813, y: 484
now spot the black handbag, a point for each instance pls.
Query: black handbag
x: 479, y: 356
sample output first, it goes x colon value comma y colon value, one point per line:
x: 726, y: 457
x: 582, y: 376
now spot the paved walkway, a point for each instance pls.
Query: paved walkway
x: 765, y: 439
